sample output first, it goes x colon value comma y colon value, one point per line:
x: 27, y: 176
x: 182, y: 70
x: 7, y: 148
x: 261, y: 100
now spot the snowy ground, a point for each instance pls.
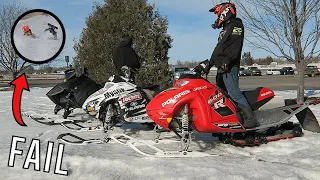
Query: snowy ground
x: 298, y: 158
x: 42, y: 48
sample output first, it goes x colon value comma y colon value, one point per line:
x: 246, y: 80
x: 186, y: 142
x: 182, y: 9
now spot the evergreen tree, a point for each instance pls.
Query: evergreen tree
x: 247, y: 59
x: 108, y: 23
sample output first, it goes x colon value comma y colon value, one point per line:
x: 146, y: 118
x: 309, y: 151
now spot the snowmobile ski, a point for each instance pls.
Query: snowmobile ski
x: 67, y: 138
x: 51, y: 119
x: 79, y: 128
x: 44, y: 119
x: 69, y: 124
x: 133, y: 143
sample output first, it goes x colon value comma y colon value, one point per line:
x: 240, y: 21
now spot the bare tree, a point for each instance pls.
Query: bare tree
x: 288, y: 29
x: 9, y: 60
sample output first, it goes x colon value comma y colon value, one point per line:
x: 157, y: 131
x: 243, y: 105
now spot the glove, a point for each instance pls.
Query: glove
x: 223, y: 68
x: 207, y: 66
x: 198, y: 69
x: 204, y: 67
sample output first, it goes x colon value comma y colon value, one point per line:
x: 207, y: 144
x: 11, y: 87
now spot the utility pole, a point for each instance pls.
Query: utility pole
x: 67, y: 60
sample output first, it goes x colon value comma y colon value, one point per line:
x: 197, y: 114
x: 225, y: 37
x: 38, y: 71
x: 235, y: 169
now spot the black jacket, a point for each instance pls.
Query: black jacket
x: 124, y: 55
x: 229, y: 47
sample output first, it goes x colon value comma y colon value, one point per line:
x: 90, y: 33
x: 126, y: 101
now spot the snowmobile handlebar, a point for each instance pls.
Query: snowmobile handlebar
x: 201, y: 68
x: 127, y: 71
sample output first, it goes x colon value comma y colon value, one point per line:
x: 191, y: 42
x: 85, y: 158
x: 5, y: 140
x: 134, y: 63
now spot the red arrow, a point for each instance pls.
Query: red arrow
x: 20, y: 83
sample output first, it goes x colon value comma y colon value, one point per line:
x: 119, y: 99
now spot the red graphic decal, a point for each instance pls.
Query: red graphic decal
x: 133, y: 97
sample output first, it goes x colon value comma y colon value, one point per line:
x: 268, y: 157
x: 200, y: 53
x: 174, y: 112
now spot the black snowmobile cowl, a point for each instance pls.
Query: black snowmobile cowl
x: 74, y: 89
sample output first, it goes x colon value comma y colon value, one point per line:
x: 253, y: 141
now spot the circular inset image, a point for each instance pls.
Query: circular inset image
x: 38, y: 36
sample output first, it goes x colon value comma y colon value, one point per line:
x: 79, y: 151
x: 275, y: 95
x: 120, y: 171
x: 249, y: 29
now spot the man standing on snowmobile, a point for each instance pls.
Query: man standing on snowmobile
x: 226, y: 57
x: 124, y: 55
x: 51, y: 29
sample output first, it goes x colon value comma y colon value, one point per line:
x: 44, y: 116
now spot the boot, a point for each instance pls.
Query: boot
x: 250, y: 120
x: 57, y: 108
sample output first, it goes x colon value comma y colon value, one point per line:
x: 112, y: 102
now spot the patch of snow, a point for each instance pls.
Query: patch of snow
x: 288, y: 94
x: 297, y: 158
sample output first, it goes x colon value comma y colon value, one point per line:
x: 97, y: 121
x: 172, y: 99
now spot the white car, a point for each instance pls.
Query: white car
x: 273, y: 72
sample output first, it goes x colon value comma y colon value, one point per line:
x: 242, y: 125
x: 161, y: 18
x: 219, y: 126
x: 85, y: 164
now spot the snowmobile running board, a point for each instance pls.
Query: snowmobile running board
x: 80, y: 128
x: 277, y: 116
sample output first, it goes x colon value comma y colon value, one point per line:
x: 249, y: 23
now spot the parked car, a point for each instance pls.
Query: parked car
x: 177, y: 71
x: 253, y: 71
x: 242, y: 72
x: 312, y: 71
x: 273, y: 72
x: 286, y: 70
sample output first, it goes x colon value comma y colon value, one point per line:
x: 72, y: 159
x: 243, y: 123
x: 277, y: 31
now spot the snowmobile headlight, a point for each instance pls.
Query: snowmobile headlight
x: 182, y: 83
x: 89, y: 109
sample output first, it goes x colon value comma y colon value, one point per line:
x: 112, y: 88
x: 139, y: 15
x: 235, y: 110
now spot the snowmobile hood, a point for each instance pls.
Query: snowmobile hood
x: 167, y: 98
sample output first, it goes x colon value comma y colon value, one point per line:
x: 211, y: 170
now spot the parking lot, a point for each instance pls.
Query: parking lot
x: 275, y: 82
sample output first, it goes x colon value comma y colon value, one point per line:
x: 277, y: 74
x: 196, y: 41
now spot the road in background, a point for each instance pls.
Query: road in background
x: 275, y: 82
x: 37, y: 83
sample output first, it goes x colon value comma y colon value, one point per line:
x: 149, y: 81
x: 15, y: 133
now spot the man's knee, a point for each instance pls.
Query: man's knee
x: 235, y: 95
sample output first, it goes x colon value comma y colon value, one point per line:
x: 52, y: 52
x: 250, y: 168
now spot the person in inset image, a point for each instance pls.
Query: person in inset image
x: 46, y: 32
x: 51, y: 29
x: 27, y: 31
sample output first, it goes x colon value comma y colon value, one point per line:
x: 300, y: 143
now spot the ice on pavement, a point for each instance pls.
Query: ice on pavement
x: 297, y: 158
x: 43, y: 47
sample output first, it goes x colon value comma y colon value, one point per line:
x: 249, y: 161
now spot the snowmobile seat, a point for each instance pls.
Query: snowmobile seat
x: 152, y: 87
x: 150, y: 94
x: 252, y: 98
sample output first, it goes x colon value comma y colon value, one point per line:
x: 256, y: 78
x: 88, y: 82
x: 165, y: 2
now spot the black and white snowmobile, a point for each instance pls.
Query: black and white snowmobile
x: 67, y: 96
x: 118, y: 101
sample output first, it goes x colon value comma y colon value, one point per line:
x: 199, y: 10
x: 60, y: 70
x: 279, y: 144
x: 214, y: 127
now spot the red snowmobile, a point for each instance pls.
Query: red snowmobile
x: 194, y: 104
